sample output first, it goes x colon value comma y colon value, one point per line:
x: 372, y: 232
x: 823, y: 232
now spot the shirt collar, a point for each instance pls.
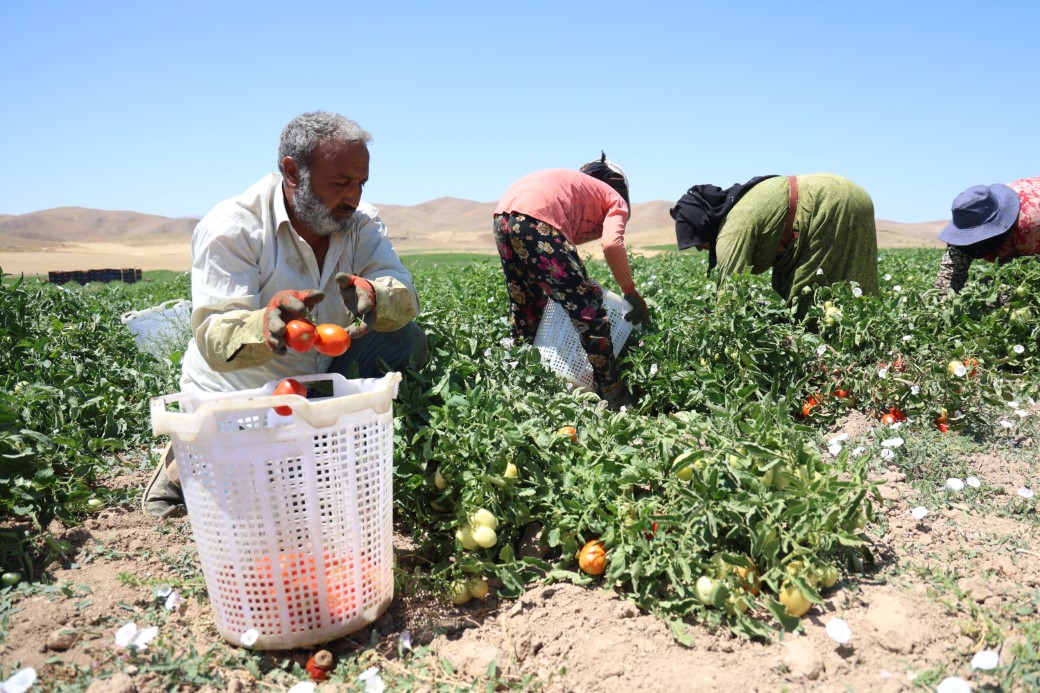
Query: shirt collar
x: 281, y: 214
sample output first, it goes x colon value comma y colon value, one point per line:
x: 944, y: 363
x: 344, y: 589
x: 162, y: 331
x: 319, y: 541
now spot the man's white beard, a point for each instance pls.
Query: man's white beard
x: 312, y: 212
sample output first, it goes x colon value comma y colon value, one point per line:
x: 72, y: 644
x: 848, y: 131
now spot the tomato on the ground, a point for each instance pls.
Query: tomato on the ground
x: 592, y: 558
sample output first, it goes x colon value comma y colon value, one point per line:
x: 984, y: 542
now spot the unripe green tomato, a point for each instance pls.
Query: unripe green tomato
x: 828, y: 576
x: 478, y: 588
x: 484, y: 518
x: 685, y: 474
x: 95, y: 503
x: 439, y: 481
x: 465, y: 537
x: 485, y: 537
x: 511, y: 471
x: 704, y: 589
x: 1021, y: 290
x: 11, y: 579
x: 460, y: 593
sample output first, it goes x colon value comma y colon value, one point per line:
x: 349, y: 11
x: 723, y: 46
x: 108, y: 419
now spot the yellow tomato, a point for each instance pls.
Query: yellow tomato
x: 793, y: 600
x: 485, y: 536
x: 511, y: 471
x: 483, y: 518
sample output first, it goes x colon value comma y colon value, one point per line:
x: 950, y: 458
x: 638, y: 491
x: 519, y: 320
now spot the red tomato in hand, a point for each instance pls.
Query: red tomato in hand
x: 331, y: 340
x: 299, y: 335
x: 289, y: 387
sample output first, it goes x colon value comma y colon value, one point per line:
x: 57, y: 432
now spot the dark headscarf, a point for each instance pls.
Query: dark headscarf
x: 610, y: 173
x: 700, y: 212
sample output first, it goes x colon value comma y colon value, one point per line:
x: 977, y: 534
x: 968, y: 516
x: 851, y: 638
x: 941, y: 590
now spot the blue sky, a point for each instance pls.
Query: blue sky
x: 167, y: 108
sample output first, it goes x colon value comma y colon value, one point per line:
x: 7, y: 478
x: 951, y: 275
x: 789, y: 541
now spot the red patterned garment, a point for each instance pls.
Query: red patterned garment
x: 1025, y: 235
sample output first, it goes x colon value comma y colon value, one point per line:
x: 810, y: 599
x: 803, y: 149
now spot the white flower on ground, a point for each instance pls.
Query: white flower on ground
x: 1025, y: 492
x: 888, y: 277
x: 857, y: 292
x: 653, y: 369
x: 129, y: 636
x: 892, y: 443
x: 897, y: 424
x: 819, y: 271
x: 174, y: 601
x: 915, y: 389
x: 888, y: 454
x: 953, y: 684
x: 986, y: 659
x: 960, y: 371
x: 919, y: 513
x: 491, y: 300
x: 858, y: 452
x: 504, y: 321
x: 1018, y: 348
x: 487, y: 352
x: 1022, y: 413
x: 839, y: 631
x: 303, y: 687
x: 973, y: 481
x: 1006, y: 424
x: 841, y: 437
x: 506, y: 342
x: 373, y: 681
x: 882, y: 373
x: 834, y: 449
x: 897, y: 288
x: 821, y: 350
x: 163, y: 591
x: 907, y: 338
x: 1013, y: 405
x: 954, y: 484
x: 249, y: 638
x: 20, y: 681
x: 406, y: 640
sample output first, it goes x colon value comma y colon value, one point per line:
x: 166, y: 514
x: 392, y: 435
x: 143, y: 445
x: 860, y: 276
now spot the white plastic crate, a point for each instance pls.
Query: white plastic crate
x: 161, y: 330
x: 560, y: 348
x: 292, y: 515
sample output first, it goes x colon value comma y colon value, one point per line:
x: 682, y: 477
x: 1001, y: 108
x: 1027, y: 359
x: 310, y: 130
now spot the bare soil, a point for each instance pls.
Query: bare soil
x: 570, y: 638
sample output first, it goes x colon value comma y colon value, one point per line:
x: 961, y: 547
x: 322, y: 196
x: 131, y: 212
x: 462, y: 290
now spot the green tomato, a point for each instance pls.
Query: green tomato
x: 484, y: 518
x: 465, y: 537
x: 478, y: 588
x: 511, y: 471
x: 704, y: 589
x: 95, y: 503
x: 439, y: 481
x: 485, y: 536
x: 11, y: 579
x: 1021, y: 290
x: 460, y: 593
x: 828, y: 576
x: 686, y: 473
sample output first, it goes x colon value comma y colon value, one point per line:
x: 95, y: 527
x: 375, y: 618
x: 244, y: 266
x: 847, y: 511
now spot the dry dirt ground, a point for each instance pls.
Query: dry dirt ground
x: 570, y: 638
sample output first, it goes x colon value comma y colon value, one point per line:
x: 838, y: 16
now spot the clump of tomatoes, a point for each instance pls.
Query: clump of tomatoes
x: 328, y: 339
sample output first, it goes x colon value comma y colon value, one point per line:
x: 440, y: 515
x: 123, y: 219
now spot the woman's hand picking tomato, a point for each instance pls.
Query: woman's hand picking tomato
x: 331, y: 340
x: 288, y: 387
x: 299, y: 335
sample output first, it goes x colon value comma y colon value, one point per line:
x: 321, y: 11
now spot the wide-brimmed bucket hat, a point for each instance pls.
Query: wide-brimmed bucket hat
x: 981, y: 212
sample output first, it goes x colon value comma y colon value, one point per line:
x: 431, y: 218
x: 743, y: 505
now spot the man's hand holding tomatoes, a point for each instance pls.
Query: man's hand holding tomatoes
x: 284, y: 307
x: 359, y: 296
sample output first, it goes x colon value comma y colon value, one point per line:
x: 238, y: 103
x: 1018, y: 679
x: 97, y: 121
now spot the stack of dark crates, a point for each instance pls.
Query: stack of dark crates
x: 95, y: 275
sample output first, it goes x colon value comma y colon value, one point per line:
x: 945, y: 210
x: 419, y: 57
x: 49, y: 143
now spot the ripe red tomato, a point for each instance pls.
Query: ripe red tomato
x: 319, y: 665
x: 943, y: 428
x: 299, y: 335
x: 973, y: 367
x: 289, y: 387
x: 331, y: 340
x: 888, y: 419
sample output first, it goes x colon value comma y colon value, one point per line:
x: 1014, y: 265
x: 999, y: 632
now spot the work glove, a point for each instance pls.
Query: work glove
x: 284, y: 307
x: 359, y: 296
x: 639, y: 311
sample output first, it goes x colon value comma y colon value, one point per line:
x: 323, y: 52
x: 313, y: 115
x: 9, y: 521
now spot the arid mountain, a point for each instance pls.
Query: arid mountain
x: 445, y: 224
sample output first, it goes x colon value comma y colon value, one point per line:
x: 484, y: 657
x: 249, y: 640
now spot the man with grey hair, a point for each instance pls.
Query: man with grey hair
x: 297, y: 240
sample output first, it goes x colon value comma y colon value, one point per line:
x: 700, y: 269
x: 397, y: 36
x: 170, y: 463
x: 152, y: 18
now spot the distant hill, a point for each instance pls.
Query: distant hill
x: 445, y: 224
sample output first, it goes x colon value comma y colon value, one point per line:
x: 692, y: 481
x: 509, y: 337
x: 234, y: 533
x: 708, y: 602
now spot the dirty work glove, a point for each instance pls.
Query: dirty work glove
x: 639, y: 311
x: 284, y: 307
x: 359, y: 296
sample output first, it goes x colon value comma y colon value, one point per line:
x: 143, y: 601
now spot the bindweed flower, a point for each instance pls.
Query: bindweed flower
x: 973, y: 481
x: 834, y: 449
x: 960, y: 371
x: 840, y: 438
x: 1013, y: 405
x: 373, y: 681
x: 1022, y: 413
x: 907, y: 338
x: 487, y: 352
x: 174, y: 601
x: 163, y: 591
x: 819, y: 271
x: 892, y: 443
x: 1018, y: 349
x: 888, y: 277
x: 858, y: 452
x: 1025, y: 492
x: 128, y: 636
x: 882, y: 373
x: 1006, y: 424
x: 839, y: 631
x: 953, y: 684
x: 985, y: 660
x: 919, y: 513
x: 303, y: 687
x: 888, y: 454
x: 20, y: 681
x: 249, y: 638
x: 653, y: 369
x: 954, y: 484
x: 915, y: 389
x: 857, y: 292
x: 897, y: 288
x: 406, y: 640
x: 821, y: 350
x: 491, y: 300
x: 506, y: 342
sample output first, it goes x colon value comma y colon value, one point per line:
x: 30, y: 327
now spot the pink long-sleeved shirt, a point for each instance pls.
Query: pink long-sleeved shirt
x: 580, y: 207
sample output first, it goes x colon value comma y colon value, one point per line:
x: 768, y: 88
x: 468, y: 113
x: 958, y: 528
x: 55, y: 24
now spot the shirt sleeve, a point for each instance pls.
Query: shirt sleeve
x: 397, y: 301
x: 613, y: 242
x: 953, y: 270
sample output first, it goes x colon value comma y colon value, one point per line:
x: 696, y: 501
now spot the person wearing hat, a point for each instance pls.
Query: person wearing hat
x: 807, y: 229
x: 538, y: 223
x: 989, y: 222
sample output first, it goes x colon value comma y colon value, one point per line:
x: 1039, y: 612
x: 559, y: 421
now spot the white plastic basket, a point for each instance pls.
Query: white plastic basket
x: 560, y: 348
x: 292, y: 515
x: 161, y: 330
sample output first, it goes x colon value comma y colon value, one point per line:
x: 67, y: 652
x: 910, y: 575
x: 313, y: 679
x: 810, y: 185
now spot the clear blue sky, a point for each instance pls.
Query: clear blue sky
x: 167, y: 108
